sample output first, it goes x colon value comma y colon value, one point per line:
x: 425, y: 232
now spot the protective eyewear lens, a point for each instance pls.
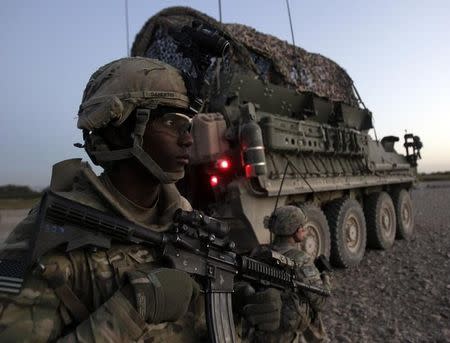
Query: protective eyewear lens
x: 178, y: 122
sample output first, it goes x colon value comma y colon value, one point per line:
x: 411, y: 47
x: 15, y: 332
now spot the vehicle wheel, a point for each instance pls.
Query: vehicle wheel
x: 381, y: 220
x: 405, y: 214
x: 348, y: 232
x: 317, y: 240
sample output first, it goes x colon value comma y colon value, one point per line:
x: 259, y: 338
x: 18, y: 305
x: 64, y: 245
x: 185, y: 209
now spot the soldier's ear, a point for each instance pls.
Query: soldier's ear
x: 299, y: 229
x: 272, y: 220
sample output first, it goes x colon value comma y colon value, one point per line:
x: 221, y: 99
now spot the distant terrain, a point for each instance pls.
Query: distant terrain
x: 18, y: 197
x: 437, y: 176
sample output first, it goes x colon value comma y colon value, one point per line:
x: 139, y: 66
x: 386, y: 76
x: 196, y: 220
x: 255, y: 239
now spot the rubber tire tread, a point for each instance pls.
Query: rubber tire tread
x: 313, y: 211
x: 397, y: 196
x: 335, y: 212
x: 372, y: 205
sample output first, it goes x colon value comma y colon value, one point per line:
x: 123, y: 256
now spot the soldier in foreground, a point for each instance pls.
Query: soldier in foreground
x: 287, y: 225
x: 136, y: 118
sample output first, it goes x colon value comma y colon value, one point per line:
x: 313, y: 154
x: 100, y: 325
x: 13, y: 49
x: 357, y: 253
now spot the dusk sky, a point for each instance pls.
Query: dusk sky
x: 397, y: 52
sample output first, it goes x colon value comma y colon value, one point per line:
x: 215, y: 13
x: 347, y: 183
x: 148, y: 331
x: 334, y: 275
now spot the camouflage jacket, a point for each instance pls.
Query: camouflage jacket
x: 37, y: 313
x: 299, y: 312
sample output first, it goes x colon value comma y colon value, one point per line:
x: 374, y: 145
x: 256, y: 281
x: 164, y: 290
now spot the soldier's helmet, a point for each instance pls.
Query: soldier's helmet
x: 285, y: 220
x: 118, y: 89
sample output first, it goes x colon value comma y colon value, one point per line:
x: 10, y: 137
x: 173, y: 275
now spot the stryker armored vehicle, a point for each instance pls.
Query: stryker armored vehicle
x: 279, y: 125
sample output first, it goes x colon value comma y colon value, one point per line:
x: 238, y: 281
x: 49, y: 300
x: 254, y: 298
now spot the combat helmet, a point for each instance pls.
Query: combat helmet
x: 117, y: 89
x: 285, y: 220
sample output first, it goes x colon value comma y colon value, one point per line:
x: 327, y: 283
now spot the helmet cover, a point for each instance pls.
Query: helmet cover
x: 119, y: 87
x: 285, y: 220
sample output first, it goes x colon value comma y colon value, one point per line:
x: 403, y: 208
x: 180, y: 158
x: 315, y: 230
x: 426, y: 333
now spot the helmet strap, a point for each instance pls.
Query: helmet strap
x: 98, y: 150
x: 142, y: 118
x: 106, y: 155
x: 154, y: 168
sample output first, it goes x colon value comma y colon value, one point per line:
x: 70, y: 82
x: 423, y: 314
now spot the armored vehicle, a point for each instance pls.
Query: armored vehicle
x: 280, y: 125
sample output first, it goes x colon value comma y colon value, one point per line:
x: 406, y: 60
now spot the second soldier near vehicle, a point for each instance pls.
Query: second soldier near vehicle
x: 287, y: 224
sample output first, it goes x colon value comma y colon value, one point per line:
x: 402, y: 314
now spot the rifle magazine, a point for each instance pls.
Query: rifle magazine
x: 219, y: 317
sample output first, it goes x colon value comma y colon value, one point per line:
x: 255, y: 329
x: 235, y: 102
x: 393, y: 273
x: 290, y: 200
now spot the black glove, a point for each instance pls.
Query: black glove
x: 162, y: 295
x: 263, y: 309
x: 295, y: 313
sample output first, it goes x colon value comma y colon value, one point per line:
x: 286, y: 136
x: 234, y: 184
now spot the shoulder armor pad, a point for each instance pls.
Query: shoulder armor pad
x: 63, y: 174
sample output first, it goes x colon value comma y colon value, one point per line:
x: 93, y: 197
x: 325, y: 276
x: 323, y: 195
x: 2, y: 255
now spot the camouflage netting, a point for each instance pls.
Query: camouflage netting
x: 154, y: 38
x: 274, y: 60
x: 300, y: 69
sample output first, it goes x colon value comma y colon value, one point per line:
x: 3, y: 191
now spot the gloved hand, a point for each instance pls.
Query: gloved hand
x: 162, y: 295
x: 263, y: 309
x: 295, y: 313
x: 326, y: 280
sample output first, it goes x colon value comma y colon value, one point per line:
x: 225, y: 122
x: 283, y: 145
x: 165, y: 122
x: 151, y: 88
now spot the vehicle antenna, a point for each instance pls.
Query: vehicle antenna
x: 287, y: 160
x: 220, y: 11
x: 304, y: 178
x: 358, y: 96
x: 281, y: 185
x: 375, y: 132
x: 290, y: 23
x: 360, y: 101
x: 127, y: 28
x: 279, y: 192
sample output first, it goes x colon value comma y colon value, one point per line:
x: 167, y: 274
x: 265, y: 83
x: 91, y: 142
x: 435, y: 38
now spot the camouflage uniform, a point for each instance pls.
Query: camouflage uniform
x: 86, y: 295
x: 78, y: 296
x: 301, y: 315
x: 37, y: 314
x: 311, y: 325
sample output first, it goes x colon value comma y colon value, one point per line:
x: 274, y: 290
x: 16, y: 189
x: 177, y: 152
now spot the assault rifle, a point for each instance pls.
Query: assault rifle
x: 196, y: 244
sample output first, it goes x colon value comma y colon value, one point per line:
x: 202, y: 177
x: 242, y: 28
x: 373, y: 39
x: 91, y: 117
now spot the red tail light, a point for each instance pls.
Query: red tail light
x: 213, y: 181
x: 248, y: 170
x: 223, y: 164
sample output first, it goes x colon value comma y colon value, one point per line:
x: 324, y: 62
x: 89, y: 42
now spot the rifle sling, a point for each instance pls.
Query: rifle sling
x: 74, y: 305
x: 76, y: 308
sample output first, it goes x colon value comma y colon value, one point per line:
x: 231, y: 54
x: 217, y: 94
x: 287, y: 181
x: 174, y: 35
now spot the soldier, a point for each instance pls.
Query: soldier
x: 136, y: 118
x: 287, y: 225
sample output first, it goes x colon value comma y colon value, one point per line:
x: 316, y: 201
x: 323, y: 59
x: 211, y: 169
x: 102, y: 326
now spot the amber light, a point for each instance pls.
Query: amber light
x: 223, y: 164
x: 214, y: 180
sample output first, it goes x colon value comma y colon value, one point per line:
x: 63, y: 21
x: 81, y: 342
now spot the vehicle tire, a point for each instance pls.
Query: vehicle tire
x: 405, y: 214
x: 348, y: 232
x: 381, y: 220
x: 317, y: 240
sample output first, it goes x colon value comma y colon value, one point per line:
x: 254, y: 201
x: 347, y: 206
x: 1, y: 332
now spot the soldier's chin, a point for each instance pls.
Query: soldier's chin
x: 175, y: 176
x: 179, y: 167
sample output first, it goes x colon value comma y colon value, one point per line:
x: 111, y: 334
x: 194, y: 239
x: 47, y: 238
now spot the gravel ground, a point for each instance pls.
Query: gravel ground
x: 401, y: 295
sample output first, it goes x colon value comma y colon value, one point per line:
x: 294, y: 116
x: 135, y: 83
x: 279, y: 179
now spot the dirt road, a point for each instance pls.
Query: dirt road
x: 402, y: 295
